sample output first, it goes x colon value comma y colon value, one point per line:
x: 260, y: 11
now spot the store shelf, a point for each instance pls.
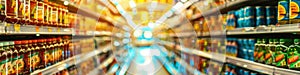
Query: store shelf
x: 104, y: 64
x: 282, y: 71
x: 227, y: 7
x: 288, y: 28
x: 188, y: 67
x: 262, y: 68
x: 69, y: 62
x: 212, y: 56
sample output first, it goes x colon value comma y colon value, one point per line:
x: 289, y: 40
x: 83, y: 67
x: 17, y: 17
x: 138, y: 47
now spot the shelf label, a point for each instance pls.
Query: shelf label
x: 37, y: 29
x: 17, y: 27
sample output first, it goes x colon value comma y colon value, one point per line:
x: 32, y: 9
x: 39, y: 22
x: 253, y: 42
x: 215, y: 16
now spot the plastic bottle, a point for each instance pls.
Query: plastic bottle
x: 20, y: 57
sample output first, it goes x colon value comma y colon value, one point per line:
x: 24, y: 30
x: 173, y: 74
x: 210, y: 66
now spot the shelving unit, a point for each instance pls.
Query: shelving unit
x: 71, y: 61
x: 262, y: 68
x: 105, y: 63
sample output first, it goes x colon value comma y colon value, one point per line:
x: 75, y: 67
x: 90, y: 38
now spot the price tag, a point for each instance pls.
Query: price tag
x: 37, y: 29
x: 58, y: 29
x: 17, y: 27
x: 49, y: 29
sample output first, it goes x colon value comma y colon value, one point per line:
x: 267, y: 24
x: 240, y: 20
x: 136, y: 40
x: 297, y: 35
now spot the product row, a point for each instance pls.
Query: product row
x: 26, y: 56
x: 279, y: 52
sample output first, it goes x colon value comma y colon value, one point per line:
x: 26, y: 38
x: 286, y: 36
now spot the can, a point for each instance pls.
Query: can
x: 271, y: 21
x: 251, y: 43
x: 249, y: 11
x: 249, y: 21
x: 260, y: 11
x: 240, y: 23
x: 260, y: 20
x: 246, y: 72
x: 270, y: 11
x: 283, y: 11
x: 252, y: 73
x: 241, y: 13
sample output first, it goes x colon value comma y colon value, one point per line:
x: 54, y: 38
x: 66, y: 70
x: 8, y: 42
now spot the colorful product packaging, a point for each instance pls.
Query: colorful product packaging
x: 283, y: 11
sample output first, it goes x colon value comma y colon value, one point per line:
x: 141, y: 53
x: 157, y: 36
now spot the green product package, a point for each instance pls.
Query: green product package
x: 270, y: 49
x: 262, y: 51
x: 256, y: 50
x: 293, y: 55
x: 281, y: 53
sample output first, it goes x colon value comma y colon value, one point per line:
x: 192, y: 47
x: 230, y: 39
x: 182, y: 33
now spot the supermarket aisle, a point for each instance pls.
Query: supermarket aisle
x: 145, y: 62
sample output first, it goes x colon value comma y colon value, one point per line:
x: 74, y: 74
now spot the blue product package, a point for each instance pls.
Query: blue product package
x: 252, y: 73
x: 251, y: 43
x: 271, y: 11
x: 283, y: 11
x: 240, y: 47
x: 246, y: 73
x: 240, y: 72
x: 260, y: 11
x: 245, y: 49
x: 250, y: 22
x: 240, y: 23
x: 270, y: 21
x: 241, y: 13
x: 249, y: 11
x: 260, y: 20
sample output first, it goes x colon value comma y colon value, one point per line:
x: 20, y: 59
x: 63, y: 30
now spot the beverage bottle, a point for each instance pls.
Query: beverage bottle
x: 293, y: 55
x: 49, y: 53
x: 35, y: 55
x: 11, y: 11
x: 41, y: 44
x: 9, y: 58
x: 3, y: 61
x: 60, y: 49
x: 268, y: 56
x: 257, y: 49
x: 14, y: 57
x: 281, y: 53
x: 262, y: 51
x: 27, y: 55
x: 55, y: 50
x: 19, y: 59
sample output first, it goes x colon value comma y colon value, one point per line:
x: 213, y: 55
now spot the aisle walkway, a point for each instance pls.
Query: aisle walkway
x: 145, y: 62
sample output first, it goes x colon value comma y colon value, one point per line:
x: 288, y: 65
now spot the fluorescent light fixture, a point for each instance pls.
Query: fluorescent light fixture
x: 66, y: 2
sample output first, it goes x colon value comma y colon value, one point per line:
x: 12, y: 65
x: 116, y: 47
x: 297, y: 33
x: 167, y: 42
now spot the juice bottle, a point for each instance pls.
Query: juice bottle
x: 33, y: 12
x: 35, y: 55
x: 281, y: 53
x: 55, y: 48
x: 27, y: 59
x: 40, y: 13
x: 13, y: 57
x: 26, y: 12
x: 21, y: 10
x: 293, y: 55
x: 262, y: 51
x: 54, y: 15
x: 49, y: 53
x: 273, y: 48
x: 67, y: 52
x: 60, y: 49
x: 31, y: 55
x: 19, y: 63
x: 268, y: 56
x: 46, y: 13
x: 3, y: 61
x: 11, y: 11
x: 9, y: 52
x: 257, y: 49
x: 2, y: 10
x: 41, y: 50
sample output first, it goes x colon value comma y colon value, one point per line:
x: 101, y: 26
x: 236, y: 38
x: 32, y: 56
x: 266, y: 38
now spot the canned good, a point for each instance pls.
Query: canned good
x: 283, y: 12
x: 270, y: 21
x: 260, y: 20
x: 249, y: 11
x: 240, y: 23
x: 252, y: 73
x: 260, y: 11
x: 246, y: 73
x: 249, y: 21
x: 270, y: 11
x: 241, y: 13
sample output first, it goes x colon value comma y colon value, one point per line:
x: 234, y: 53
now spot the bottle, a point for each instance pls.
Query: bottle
x: 3, y: 60
x: 281, y: 53
x: 9, y: 52
x: 27, y: 59
x: 33, y: 12
x: 55, y: 48
x: 262, y: 51
x: 293, y: 55
x: 60, y: 49
x: 268, y: 56
x: 20, y: 55
x: 14, y: 57
x: 67, y: 52
x: 11, y: 11
x: 2, y: 10
x: 41, y: 43
x: 257, y: 49
x: 40, y: 13
x: 35, y: 55
x: 49, y: 53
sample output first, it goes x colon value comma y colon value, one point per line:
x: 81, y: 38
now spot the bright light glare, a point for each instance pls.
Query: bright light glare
x: 148, y: 34
x: 137, y: 33
x: 183, y: 0
x: 66, y: 2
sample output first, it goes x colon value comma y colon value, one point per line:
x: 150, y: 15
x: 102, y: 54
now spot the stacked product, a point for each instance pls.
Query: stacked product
x: 252, y: 16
